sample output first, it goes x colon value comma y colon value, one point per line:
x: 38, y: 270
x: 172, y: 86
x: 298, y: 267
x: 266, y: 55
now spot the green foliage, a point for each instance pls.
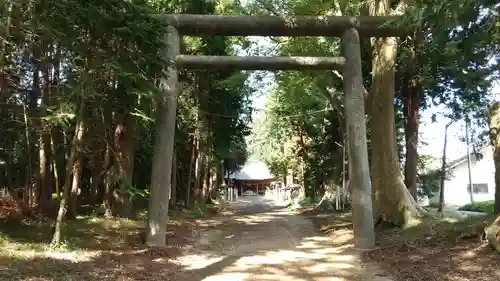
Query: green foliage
x: 201, y: 209
x: 430, y: 174
x: 431, y: 183
x: 306, y: 202
x: 214, y: 106
x: 458, y: 57
x: 483, y: 207
x: 198, y: 211
x: 132, y: 192
x: 303, y: 125
x: 450, y: 55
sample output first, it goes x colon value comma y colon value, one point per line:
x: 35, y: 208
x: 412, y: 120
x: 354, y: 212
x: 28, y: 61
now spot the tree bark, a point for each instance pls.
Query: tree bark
x: 4, y: 81
x: 45, y: 153
x: 75, y: 145
x: 96, y: 176
x: 125, y: 141
x: 107, y: 188
x: 206, y: 181
x: 392, y: 201
x: 412, y: 114
x: 56, y: 168
x: 192, y: 162
x: 364, y: 233
x: 197, y: 173
x: 443, y: 171
x: 161, y: 177
x: 173, y: 189
x: 29, y: 170
x: 44, y: 180
x: 495, y: 140
x: 214, y: 178
x: 75, y: 184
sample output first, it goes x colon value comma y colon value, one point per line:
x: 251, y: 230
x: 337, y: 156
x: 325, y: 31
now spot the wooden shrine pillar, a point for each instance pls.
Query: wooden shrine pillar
x: 354, y: 106
x: 161, y: 176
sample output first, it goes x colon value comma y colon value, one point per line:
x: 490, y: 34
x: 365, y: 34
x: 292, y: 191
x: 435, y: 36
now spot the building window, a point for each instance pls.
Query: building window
x: 478, y: 188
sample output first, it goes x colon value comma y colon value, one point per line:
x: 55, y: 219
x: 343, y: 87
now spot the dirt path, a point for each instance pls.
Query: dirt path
x: 262, y: 241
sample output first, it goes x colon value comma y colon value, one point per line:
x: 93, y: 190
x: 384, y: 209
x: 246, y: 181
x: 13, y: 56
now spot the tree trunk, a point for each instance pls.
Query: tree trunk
x: 443, y: 170
x: 493, y: 234
x: 76, y: 143
x: 44, y: 181
x: 220, y: 174
x: 29, y: 170
x: 205, y: 181
x: 55, y: 166
x: 411, y: 111
x: 96, y: 176
x: 173, y: 189
x: 392, y: 201
x: 45, y: 153
x: 197, y: 173
x: 75, y: 185
x: 214, y: 178
x: 107, y: 191
x: 7, y: 19
x: 192, y: 160
x: 24, y: 209
x: 495, y: 140
x: 125, y: 136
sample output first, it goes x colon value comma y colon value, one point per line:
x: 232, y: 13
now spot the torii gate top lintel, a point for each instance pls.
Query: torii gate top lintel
x: 333, y: 26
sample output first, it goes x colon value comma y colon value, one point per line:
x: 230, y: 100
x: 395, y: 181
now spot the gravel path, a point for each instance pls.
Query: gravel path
x: 263, y: 241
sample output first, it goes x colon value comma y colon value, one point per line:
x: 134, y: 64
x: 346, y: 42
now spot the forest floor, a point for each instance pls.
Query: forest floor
x: 95, y: 249
x: 447, y: 249
x: 254, y: 240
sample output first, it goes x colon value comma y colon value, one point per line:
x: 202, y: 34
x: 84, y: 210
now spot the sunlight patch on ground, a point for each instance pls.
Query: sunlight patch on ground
x: 228, y: 277
x: 252, y: 220
x: 209, y: 223
x: 468, y: 254
x: 317, y: 238
x: 197, y: 261
x: 341, y: 237
x: 413, y: 222
x: 273, y: 245
x: 324, y: 267
x: 79, y: 256
x: 275, y: 265
x: 75, y: 256
x: 334, y: 250
x: 311, y: 243
x: 451, y: 219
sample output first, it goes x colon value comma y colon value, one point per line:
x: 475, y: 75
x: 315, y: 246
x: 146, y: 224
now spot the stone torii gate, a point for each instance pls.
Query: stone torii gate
x: 348, y: 28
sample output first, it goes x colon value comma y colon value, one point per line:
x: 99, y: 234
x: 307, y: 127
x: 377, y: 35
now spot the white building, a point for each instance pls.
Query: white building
x: 456, y: 187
